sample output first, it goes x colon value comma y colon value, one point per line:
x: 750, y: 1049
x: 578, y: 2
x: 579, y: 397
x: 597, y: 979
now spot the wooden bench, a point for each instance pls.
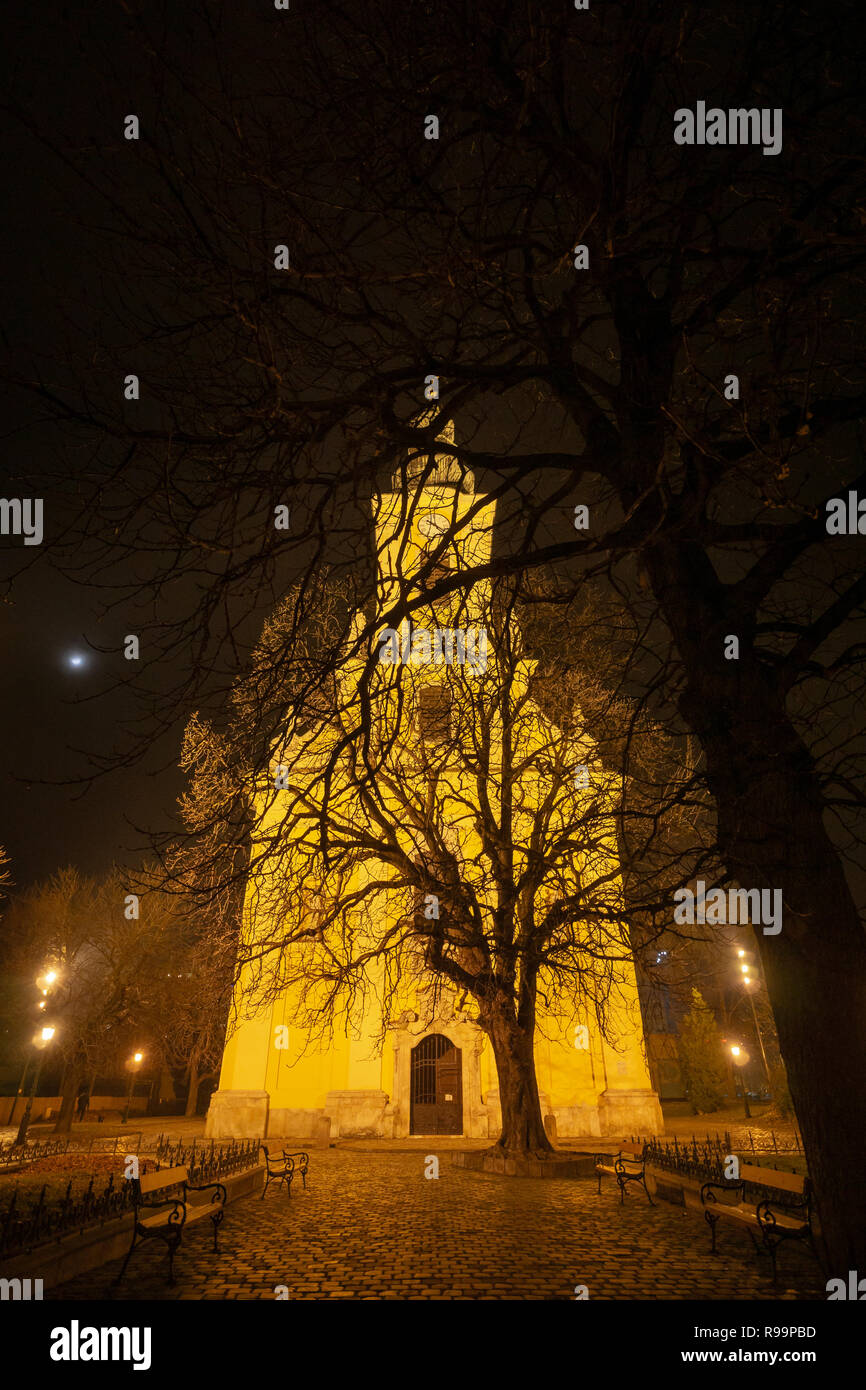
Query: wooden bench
x: 788, y: 1217
x: 169, y: 1225
x: 282, y: 1169
x: 628, y: 1165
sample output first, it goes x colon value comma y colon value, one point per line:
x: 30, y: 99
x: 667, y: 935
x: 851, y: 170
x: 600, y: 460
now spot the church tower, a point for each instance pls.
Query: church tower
x: 435, y: 1073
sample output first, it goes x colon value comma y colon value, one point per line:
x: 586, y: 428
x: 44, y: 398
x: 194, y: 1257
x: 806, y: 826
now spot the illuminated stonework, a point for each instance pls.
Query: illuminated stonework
x: 355, y: 1086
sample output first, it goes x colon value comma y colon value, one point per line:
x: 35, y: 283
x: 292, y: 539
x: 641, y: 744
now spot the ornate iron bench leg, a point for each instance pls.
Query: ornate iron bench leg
x: 759, y: 1249
x: 215, y: 1220
x: 772, y: 1251
x: 712, y: 1221
x: 126, y: 1260
x: 173, y: 1242
x: 646, y: 1190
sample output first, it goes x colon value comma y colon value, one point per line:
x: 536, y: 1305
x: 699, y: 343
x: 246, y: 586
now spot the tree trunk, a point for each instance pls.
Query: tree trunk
x: 192, y: 1092
x: 69, y: 1095
x: 772, y: 835
x: 815, y: 970
x: 523, y: 1129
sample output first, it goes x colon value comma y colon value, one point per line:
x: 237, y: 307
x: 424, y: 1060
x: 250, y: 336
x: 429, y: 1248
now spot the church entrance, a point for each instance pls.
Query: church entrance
x: 437, y: 1087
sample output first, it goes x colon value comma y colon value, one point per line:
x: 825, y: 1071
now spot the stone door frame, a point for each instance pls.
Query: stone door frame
x: 466, y: 1036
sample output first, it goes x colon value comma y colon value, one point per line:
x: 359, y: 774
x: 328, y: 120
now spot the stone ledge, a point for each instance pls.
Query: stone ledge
x: 559, y: 1166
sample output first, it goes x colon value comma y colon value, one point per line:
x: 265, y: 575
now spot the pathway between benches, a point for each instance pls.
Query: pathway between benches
x: 370, y: 1225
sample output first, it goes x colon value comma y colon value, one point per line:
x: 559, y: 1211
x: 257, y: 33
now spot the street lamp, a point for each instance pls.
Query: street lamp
x: 758, y: 1032
x: 741, y: 1057
x: 50, y: 977
x: 134, y: 1062
x: 747, y: 982
x: 40, y: 1044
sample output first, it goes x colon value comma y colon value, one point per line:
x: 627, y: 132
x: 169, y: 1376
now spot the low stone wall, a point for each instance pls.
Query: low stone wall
x: 675, y: 1188
x: 560, y: 1166
x: 48, y: 1107
x: 667, y: 1186
x: 84, y: 1250
x: 303, y: 1127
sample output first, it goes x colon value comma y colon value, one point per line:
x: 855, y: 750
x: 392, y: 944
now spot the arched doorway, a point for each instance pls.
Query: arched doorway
x: 437, y: 1087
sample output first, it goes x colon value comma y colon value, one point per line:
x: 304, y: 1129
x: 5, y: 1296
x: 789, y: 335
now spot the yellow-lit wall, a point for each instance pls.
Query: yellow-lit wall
x: 573, y: 1080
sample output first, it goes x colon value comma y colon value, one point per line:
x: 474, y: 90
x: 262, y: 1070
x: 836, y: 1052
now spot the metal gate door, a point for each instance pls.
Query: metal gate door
x: 437, y: 1087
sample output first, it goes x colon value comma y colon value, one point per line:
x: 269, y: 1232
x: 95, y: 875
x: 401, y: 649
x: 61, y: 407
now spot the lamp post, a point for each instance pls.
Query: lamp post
x: 741, y: 1057
x: 40, y: 1044
x: 134, y: 1063
x: 27, y: 1061
x: 747, y: 986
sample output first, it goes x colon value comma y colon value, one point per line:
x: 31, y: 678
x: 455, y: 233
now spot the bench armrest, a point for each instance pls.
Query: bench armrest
x: 708, y: 1188
x: 767, y: 1217
x: 638, y: 1163
x: 206, y: 1186
x: 277, y: 1166
x: 173, y: 1217
x: 297, y: 1153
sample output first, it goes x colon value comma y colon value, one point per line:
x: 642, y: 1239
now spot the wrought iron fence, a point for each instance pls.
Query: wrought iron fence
x: 27, y: 1223
x: 706, y: 1160
x: 207, y: 1161
x: 761, y: 1143
x: 703, y: 1160
x: 714, y: 1145
x: 51, y: 1148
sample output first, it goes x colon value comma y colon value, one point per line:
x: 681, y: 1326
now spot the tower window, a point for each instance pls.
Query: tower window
x: 433, y: 527
x: 434, y: 713
x: 440, y: 568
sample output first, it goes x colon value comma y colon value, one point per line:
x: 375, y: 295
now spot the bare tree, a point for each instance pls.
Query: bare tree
x: 556, y: 253
x: 436, y: 826
x: 184, y: 1011
x: 78, y: 928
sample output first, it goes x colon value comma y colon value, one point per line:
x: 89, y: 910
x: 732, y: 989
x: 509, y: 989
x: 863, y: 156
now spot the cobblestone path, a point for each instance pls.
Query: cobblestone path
x: 370, y: 1226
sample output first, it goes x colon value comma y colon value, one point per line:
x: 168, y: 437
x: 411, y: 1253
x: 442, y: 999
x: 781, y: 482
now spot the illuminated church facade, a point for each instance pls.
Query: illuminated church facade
x: 418, y: 1063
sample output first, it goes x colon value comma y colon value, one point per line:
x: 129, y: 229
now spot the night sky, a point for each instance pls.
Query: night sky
x: 56, y: 716
x: 73, y: 72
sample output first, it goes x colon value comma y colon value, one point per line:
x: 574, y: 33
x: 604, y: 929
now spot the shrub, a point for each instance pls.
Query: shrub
x: 700, y: 1051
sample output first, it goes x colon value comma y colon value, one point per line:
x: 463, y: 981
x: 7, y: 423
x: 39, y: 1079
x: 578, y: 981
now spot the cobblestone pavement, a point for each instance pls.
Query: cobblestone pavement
x: 370, y: 1226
